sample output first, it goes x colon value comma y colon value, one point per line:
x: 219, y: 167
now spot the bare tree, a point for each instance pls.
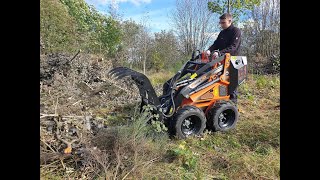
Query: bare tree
x: 261, y: 35
x: 193, y: 23
x: 267, y: 18
x: 128, y: 53
x: 145, y: 40
x: 267, y: 27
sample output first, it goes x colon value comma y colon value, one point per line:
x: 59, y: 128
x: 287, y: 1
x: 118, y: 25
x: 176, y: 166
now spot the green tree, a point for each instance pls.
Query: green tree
x: 158, y: 62
x: 69, y: 25
x: 165, y: 50
x: 99, y: 33
x: 57, y: 27
x: 237, y: 7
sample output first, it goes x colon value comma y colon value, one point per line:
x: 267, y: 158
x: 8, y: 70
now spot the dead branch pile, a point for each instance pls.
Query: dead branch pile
x: 78, y: 102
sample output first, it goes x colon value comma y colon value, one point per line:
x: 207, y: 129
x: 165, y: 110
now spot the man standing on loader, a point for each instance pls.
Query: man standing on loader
x: 228, y: 41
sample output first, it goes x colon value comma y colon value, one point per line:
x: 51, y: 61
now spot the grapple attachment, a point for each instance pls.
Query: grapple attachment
x: 147, y: 93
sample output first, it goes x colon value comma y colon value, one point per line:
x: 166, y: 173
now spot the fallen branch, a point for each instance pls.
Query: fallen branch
x: 49, y: 165
x: 69, y: 147
x: 115, y: 84
x: 88, y: 86
x: 56, y: 107
x: 48, y: 146
x: 76, y: 102
x: 87, y: 121
x: 48, y: 115
x: 75, y: 55
x: 56, y: 115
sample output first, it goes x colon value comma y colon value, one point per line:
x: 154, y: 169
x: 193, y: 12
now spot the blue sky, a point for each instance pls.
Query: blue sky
x: 156, y: 10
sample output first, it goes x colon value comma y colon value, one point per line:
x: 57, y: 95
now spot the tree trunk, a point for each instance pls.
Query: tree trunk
x: 144, y: 61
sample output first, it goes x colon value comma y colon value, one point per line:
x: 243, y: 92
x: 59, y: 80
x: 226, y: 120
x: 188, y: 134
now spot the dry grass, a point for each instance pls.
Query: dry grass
x: 135, y: 151
x: 251, y: 151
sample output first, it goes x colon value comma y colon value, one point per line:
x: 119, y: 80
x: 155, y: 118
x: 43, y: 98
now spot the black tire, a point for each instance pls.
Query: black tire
x: 223, y: 117
x: 188, y: 121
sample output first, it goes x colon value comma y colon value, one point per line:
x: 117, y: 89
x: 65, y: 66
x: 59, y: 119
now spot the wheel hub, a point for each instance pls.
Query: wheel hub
x: 226, y: 118
x: 187, y: 126
x: 187, y: 123
x: 222, y: 117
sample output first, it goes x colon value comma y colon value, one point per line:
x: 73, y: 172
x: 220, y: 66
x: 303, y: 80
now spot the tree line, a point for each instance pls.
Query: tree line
x: 70, y: 25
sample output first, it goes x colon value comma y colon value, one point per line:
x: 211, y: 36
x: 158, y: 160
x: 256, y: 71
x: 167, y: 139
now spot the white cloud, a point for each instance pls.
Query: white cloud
x: 116, y: 2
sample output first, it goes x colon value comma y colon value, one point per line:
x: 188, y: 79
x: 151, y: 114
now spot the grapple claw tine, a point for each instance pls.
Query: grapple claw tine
x: 137, y: 79
x: 114, y: 70
x: 119, y: 71
x: 143, y: 83
x: 124, y: 74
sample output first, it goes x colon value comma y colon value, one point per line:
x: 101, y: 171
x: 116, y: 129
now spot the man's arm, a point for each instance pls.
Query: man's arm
x: 213, y: 46
x: 235, y: 43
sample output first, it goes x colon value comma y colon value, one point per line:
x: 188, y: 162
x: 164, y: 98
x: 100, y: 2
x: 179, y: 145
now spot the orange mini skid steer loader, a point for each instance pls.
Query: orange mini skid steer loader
x: 197, y: 96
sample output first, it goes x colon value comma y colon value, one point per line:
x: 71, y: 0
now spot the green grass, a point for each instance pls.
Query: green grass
x: 250, y: 151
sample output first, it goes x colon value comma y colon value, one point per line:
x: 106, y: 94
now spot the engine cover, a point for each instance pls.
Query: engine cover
x: 238, y: 72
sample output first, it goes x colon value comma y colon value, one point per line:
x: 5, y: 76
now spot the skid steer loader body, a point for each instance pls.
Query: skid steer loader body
x: 200, y: 83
